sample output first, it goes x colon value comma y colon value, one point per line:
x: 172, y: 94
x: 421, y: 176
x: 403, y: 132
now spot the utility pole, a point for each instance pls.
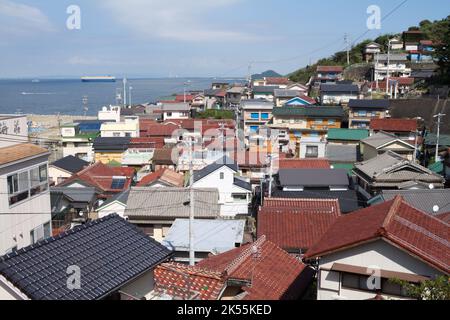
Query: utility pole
x: 388, y: 66
x: 249, y: 74
x: 130, y: 88
x: 439, y: 117
x: 348, y: 48
x: 270, y: 174
x: 124, y: 92
x: 376, y: 72
x: 191, y: 205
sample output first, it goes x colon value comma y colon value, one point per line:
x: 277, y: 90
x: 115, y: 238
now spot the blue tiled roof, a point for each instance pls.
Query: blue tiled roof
x: 110, y: 253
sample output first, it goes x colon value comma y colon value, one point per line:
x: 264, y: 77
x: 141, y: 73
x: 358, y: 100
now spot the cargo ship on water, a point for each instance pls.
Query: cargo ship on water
x: 98, y: 79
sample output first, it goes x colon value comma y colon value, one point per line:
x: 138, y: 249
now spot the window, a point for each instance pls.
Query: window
x: 362, y: 113
x: 254, y: 116
x: 331, y: 122
x: 37, y: 234
x: 222, y: 176
x: 47, y: 230
x: 116, y: 134
x: 359, y: 282
x: 27, y: 183
x: 265, y: 116
x: 318, y: 121
x: 169, y: 114
x: 312, y: 151
x: 127, y: 134
x: 253, y: 128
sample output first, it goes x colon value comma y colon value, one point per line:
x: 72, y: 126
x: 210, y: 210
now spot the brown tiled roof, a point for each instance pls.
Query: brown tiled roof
x: 185, y: 282
x: 444, y: 217
x: 19, y: 152
x: 412, y: 230
x: 296, y: 223
x: 147, y: 142
x: 158, y: 130
x: 100, y: 176
x: 174, y: 179
x: 304, y: 164
x: 330, y: 69
x: 272, y: 274
x: 277, y: 80
x: 164, y: 156
x: 395, y: 125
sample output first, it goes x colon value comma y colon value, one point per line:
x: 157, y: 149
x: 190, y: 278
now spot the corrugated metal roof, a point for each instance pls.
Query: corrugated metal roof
x: 212, y: 236
x: 171, y: 203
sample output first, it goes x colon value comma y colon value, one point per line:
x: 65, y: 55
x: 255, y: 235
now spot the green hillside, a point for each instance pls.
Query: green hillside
x: 438, y: 31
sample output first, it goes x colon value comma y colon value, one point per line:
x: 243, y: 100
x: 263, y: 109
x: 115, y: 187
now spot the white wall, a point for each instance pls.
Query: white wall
x: 321, y: 147
x: 55, y: 173
x: 175, y: 115
x: 14, y: 128
x: 378, y: 253
x: 226, y: 188
x: 24, y: 216
x: 337, y: 98
x: 110, y: 209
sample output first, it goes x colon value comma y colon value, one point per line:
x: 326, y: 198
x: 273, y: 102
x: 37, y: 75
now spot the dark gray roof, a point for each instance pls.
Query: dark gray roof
x: 342, y: 153
x: 370, y: 103
x: 110, y: 253
x: 75, y: 194
x: 339, y: 88
x: 107, y: 144
x: 120, y: 197
x: 71, y: 164
x: 313, y: 177
x: 212, y: 92
x: 225, y: 161
x: 242, y: 184
x: 349, y: 200
x: 264, y: 89
x: 423, y: 200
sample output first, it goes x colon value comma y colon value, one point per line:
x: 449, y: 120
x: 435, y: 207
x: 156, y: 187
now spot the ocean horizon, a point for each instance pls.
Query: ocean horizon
x: 49, y: 96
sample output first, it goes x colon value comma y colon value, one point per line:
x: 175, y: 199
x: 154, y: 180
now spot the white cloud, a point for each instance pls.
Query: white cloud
x: 21, y: 19
x: 174, y: 19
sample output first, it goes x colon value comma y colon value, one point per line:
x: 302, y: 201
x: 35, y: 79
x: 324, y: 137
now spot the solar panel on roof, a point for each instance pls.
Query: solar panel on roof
x: 118, y: 184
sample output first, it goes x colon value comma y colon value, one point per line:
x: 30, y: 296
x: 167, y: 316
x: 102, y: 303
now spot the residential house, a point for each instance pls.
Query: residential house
x: 231, y: 276
x: 264, y: 92
x: 361, y: 112
x: 64, y: 168
x: 234, y: 97
x: 343, y: 136
x: 312, y: 147
x: 162, y: 178
x: 211, y: 237
x: 390, y: 171
x: 404, y: 129
x: 299, y: 87
x: 116, y: 262
x: 235, y: 193
x: 154, y: 210
x: 343, y: 156
x: 165, y: 158
x: 382, y: 142
x: 291, y: 97
x: 412, y: 38
x: 396, y: 44
x: 328, y: 74
x: 107, y: 180
x: 295, y: 163
x: 25, y: 204
x: 214, y: 98
x: 280, y: 82
x: 175, y: 111
x: 296, y: 224
x: 78, y: 139
x: 114, y: 205
x: 110, y: 149
x: 313, y: 179
x: 295, y: 123
x: 255, y: 114
x: 371, y: 50
x: 13, y: 129
x: 362, y: 251
x: 432, y: 201
x: 140, y: 151
x: 396, y: 87
x: 220, y: 85
x: 110, y: 114
x: 70, y: 205
x: 338, y: 94
x: 397, y: 66
x: 128, y: 128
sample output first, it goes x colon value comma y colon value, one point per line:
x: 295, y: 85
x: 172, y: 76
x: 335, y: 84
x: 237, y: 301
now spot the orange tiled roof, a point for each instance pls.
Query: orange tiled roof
x: 19, y: 152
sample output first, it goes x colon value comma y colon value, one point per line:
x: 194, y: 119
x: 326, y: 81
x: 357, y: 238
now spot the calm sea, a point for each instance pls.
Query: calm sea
x: 66, y: 96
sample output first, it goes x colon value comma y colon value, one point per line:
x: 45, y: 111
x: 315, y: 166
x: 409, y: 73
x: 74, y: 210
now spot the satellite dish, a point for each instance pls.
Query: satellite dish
x: 431, y: 186
x: 436, y: 209
x: 81, y: 213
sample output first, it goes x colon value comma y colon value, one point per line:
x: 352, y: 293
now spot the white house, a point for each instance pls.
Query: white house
x: 64, y: 168
x: 362, y: 251
x: 234, y: 192
x: 128, y: 128
x: 25, y: 196
x: 111, y: 113
x: 116, y: 204
x: 312, y: 147
x: 395, y: 64
x: 175, y: 111
x: 13, y: 130
x: 338, y: 94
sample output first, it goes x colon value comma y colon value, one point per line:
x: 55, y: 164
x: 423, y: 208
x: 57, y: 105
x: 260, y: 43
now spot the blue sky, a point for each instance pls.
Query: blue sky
x: 159, y: 38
